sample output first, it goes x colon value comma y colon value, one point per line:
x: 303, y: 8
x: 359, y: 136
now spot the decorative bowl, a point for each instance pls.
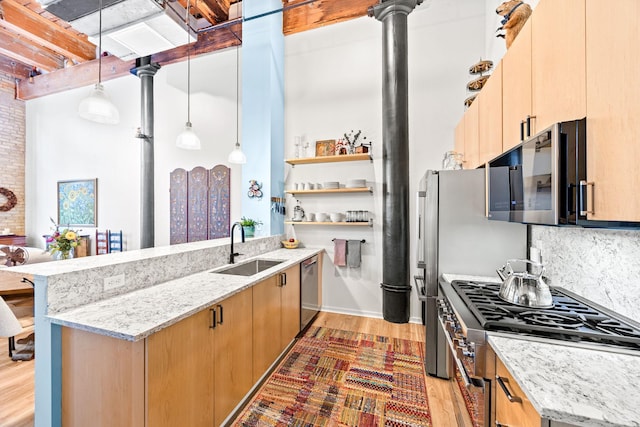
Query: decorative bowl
x: 290, y: 245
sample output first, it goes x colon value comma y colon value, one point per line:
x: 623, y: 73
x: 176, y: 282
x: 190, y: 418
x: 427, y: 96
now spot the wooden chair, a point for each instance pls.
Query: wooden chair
x: 115, y: 242
x: 102, y: 242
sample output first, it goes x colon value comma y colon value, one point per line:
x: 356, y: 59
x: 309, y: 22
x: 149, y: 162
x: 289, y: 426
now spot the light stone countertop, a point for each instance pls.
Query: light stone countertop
x: 565, y: 383
x: 577, y: 386
x: 135, y: 315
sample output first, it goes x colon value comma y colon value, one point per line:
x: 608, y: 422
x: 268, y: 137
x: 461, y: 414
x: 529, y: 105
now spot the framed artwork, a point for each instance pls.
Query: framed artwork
x: 326, y: 147
x: 77, y: 202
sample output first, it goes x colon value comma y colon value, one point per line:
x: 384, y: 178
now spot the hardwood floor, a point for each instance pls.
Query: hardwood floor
x: 17, y: 395
x: 16, y: 389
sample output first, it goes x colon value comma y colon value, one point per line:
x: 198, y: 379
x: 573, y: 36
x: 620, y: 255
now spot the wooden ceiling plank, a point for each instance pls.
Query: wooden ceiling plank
x: 18, y: 50
x: 30, y: 25
x: 215, y: 11
x: 323, y: 12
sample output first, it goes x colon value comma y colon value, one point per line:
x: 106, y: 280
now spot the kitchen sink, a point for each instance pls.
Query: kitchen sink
x: 249, y: 268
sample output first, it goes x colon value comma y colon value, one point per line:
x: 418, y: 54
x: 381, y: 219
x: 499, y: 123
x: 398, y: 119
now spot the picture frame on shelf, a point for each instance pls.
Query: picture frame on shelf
x: 325, y: 147
x: 77, y: 202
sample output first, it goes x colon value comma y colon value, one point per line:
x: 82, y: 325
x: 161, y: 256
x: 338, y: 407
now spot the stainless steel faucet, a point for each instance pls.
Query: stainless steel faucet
x: 234, y: 254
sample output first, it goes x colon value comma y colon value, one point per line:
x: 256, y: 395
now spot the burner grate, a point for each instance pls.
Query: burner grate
x: 569, y: 319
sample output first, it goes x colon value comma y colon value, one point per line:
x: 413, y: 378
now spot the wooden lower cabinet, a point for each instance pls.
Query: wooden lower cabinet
x: 518, y: 412
x: 103, y: 380
x: 233, y: 353
x: 180, y: 373
x: 276, y: 317
x: 187, y: 374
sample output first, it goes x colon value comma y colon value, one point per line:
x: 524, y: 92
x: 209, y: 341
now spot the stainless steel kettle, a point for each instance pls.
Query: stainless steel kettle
x: 524, y: 288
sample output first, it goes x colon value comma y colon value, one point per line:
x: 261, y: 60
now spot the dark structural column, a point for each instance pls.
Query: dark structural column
x: 396, y: 286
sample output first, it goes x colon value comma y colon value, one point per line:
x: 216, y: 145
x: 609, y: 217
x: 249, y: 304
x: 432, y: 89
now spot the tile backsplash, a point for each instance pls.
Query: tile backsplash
x: 601, y: 265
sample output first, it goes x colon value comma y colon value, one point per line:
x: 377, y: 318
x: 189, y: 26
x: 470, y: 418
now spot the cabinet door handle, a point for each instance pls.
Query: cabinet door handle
x: 283, y: 279
x: 529, y: 125
x: 522, y: 131
x: 511, y: 397
x: 221, y: 314
x: 499, y: 424
x: 213, y: 319
x: 582, y: 195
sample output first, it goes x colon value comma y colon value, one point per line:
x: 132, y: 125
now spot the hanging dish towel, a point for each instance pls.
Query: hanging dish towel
x: 354, y: 251
x: 340, y: 252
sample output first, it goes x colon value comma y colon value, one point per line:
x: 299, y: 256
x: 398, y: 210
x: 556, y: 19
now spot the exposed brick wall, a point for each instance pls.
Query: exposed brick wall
x: 12, y: 148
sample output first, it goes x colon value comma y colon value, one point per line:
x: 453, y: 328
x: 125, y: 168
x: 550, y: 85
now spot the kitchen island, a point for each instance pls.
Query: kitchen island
x: 127, y: 298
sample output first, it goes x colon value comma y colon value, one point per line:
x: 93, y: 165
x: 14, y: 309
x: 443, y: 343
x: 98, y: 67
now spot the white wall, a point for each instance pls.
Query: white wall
x: 334, y: 85
x: 62, y: 146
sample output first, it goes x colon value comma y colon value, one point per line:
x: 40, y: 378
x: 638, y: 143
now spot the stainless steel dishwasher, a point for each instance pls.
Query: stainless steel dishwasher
x: 309, y: 290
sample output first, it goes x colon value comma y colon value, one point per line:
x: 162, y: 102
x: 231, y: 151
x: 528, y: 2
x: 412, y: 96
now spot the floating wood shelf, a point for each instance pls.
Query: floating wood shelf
x: 330, y: 159
x: 332, y: 190
x: 360, y: 224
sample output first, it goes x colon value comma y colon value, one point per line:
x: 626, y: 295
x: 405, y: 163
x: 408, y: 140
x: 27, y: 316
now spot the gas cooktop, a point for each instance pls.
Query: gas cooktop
x: 571, y: 318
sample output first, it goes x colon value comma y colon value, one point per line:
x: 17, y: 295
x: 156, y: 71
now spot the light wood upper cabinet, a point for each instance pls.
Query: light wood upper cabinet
x: 180, y: 373
x: 490, y: 117
x: 458, y: 146
x: 558, y: 62
x: 471, y: 137
x: 233, y: 352
x: 516, y: 87
x: 613, y: 109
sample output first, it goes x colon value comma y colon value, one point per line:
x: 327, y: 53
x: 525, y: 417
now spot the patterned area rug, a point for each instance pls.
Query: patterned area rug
x: 340, y: 378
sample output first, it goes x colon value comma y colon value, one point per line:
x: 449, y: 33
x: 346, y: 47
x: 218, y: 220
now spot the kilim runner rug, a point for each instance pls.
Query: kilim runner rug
x: 332, y: 377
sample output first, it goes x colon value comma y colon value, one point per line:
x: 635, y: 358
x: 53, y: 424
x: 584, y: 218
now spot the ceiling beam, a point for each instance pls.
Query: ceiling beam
x: 14, y: 68
x: 112, y: 67
x: 21, y: 51
x: 28, y: 24
x: 322, y: 12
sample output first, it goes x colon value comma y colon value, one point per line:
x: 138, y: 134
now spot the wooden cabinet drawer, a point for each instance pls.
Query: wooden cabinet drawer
x: 516, y: 411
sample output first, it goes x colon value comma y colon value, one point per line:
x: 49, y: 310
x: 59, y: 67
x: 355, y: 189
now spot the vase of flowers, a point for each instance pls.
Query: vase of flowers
x: 61, y: 244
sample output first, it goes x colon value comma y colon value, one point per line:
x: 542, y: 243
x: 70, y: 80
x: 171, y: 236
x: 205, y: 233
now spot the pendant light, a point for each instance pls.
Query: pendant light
x: 187, y: 139
x: 237, y: 156
x: 97, y: 107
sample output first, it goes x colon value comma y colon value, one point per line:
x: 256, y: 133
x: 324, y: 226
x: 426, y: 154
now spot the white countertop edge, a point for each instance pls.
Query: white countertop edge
x: 74, y: 318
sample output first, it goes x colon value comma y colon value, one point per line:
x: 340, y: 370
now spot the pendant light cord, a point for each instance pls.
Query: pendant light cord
x: 186, y: 24
x: 100, y: 43
x: 238, y: 94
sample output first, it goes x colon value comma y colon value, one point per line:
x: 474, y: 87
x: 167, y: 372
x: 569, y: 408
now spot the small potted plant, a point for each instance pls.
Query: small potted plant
x: 249, y: 226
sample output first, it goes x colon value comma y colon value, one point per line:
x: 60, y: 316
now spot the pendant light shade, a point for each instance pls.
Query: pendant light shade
x: 97, y: 107
x: 237, y: 156
x: 187, y: 139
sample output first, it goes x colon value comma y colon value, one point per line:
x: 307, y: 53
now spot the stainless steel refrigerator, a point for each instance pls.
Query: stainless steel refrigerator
x: 454, y: 236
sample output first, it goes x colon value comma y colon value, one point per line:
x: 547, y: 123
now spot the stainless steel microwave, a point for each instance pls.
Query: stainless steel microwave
x: 539, y: 180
